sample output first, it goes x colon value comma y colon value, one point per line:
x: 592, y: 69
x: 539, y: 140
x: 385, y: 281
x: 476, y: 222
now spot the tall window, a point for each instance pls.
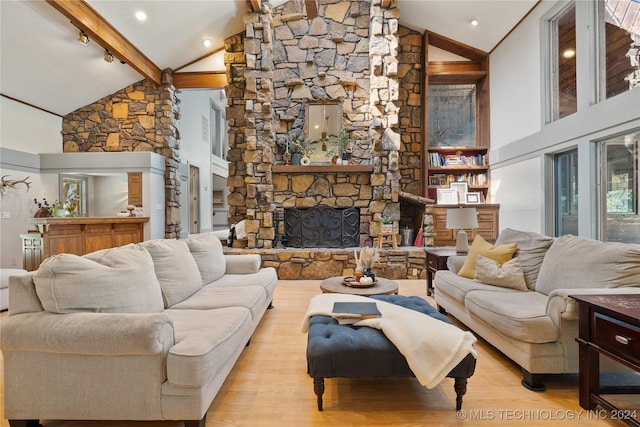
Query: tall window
x: 620, y: 46
x: 620, y: 221
x: 566, y: 193
x: 562, y: 62
x: 452, y: 115
x: 218, y: 127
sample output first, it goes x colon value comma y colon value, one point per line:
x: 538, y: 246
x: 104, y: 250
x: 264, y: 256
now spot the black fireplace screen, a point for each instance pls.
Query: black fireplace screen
x: 322, y: 227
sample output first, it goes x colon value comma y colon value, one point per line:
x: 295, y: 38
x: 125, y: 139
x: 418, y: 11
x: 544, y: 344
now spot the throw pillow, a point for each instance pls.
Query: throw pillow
x: 207, y: 251
x: 117, y: 280
x: 480, y: 246
x: 580, y: 262
x: 175, y: 268
x: 507, y: 275
x: 532, y: 248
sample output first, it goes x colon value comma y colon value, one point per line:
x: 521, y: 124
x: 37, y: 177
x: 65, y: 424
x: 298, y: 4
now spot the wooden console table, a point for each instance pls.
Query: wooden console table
x: 608, y: 325
x: 78, y: 236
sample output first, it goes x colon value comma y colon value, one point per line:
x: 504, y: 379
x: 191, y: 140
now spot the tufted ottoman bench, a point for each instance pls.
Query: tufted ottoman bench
x: 335, y: 350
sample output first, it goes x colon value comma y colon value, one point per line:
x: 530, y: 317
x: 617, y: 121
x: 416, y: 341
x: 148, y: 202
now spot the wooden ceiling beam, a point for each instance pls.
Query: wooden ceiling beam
x: 200, y: 80
x: 312, y: 9
x: 85, y: 18
x: 442, y: 42
x: 256, y: 5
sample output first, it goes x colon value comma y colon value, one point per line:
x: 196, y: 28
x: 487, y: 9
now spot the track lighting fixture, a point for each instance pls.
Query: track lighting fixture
x: 83, y: 38
x: 108, y: 56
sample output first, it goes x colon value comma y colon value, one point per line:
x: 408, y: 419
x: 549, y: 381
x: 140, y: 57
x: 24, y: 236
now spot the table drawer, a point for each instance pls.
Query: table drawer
x: 432, y: 262
x: 620, y: 337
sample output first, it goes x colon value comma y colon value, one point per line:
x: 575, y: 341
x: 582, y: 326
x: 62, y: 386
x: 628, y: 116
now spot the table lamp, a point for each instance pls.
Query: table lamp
x: 459, y: 219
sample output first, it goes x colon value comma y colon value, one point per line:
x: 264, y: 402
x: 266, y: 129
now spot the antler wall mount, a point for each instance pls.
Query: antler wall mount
x: 6, y: 184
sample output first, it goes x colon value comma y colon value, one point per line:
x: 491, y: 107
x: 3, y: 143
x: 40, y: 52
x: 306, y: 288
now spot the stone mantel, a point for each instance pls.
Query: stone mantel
x: 323, y: 169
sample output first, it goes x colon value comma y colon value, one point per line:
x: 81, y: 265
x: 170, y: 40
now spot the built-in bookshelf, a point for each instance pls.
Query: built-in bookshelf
x: 447, y: 164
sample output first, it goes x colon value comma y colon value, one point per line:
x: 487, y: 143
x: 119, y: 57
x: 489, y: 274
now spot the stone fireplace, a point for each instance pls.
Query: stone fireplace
x: 348, y: 53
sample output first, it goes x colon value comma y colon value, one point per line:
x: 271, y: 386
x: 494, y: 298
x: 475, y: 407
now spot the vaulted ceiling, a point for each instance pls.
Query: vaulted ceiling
x: 43, y: 64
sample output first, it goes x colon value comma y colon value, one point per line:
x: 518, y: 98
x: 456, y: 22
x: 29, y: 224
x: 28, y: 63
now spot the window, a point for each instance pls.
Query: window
x: 562, y: 63
x: 620, y: 221
x: 452, y: 115
x: 620, y: 46
x: 218, y: 128
x: 566, y: 193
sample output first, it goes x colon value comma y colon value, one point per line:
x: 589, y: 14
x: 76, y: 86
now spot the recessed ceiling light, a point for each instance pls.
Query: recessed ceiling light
x: 206, y: 42
x: 141, y: 16
x: 569, y: 53
x: 474, y: 22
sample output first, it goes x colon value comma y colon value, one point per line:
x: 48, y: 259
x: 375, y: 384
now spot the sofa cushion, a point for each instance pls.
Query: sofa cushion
x: 205, y: 342
x: 207, y: 252
x: 457, y: 287
x: 579, y: 262
x: 266, y: 278
x: 519, y: 315
x: 531, y: 250
x: 480, y: 246
x: 507, y: 275
x: 117, y: 280
x: 175, y: 268
x: 253, y: 298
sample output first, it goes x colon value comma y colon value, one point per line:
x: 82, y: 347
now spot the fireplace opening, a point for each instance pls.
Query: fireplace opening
x: 322, y: 227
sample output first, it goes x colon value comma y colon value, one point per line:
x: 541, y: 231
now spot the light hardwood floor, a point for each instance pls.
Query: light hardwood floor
x: 269, y: 386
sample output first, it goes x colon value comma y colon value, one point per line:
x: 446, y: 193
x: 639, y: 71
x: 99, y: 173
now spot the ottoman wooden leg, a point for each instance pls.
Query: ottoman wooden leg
x: 460, y: 386
x: 318, y: 388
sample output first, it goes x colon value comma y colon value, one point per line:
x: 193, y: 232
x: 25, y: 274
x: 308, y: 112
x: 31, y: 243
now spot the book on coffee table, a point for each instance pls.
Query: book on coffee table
x: 351, y: 312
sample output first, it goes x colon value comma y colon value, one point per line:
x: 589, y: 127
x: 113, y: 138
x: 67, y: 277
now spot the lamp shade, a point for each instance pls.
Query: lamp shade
x: 461, y: 218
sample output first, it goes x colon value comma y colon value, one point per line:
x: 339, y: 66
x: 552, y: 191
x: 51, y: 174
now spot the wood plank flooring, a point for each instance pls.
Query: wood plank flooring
x: 269, y: 386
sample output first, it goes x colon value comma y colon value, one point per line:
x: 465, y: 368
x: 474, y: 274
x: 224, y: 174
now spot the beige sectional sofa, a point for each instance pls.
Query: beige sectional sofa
x: 146, y: 331
x: 536, y: 325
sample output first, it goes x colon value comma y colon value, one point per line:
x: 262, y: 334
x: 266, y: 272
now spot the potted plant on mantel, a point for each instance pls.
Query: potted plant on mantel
x: 386, y: 225
x: 340, y: 145
x: 295, y: 145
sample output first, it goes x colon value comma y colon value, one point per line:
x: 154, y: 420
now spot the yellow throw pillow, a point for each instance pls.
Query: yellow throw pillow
x: 480, y: 246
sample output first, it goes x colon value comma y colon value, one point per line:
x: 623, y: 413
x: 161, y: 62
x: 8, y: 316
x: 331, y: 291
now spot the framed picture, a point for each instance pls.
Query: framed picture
x: 73, y: 193
x: 447, y: 196
x: 461, y: 188
x: 434, y: 180
x: 473, y: 198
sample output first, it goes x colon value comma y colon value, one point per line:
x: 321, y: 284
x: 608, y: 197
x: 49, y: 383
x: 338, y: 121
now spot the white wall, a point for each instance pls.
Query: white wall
x: 196, y: 150
x: 195, y: 147
x: 520, y: 141
x: 28, y: 129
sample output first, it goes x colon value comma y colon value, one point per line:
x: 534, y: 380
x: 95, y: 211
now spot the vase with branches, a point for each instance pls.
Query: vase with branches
x: 296, y: 145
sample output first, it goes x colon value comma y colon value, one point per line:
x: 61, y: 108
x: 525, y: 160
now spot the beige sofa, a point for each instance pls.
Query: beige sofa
x: 536, y: 325
x: 146, y: 331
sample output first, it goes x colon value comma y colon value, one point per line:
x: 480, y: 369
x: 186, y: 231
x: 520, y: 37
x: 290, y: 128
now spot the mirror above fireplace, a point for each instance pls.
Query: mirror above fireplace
x: 322, y: 125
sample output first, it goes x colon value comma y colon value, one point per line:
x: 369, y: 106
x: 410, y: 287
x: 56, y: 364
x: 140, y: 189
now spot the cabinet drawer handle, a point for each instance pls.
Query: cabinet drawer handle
x: 622, y: 340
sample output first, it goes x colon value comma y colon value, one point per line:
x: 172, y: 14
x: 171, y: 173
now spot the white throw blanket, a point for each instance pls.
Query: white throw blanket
x: 432, y: 347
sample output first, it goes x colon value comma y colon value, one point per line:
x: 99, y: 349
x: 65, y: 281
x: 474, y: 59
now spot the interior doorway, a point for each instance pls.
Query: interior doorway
x: 194, y: 204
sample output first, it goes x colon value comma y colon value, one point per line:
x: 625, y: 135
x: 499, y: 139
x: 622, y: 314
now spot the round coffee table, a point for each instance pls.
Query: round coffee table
x: 334, y: 285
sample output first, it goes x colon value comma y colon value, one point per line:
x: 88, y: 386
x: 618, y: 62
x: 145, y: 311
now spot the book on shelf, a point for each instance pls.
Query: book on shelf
x: 352, y: 312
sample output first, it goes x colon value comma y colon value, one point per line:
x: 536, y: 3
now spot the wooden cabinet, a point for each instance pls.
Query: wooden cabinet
x: 78, y: 236
x: 135, y: 188
x: 608, y: 325
x: 447, y: 164
x: 488, y: 224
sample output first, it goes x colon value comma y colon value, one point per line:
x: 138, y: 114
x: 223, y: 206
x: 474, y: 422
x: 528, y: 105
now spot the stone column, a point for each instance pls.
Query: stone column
x: 252, y: 142
x: 385, y: 140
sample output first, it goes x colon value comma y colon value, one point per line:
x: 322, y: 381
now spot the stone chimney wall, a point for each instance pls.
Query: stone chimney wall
x: 140, y: 117
x: 348, y: 53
